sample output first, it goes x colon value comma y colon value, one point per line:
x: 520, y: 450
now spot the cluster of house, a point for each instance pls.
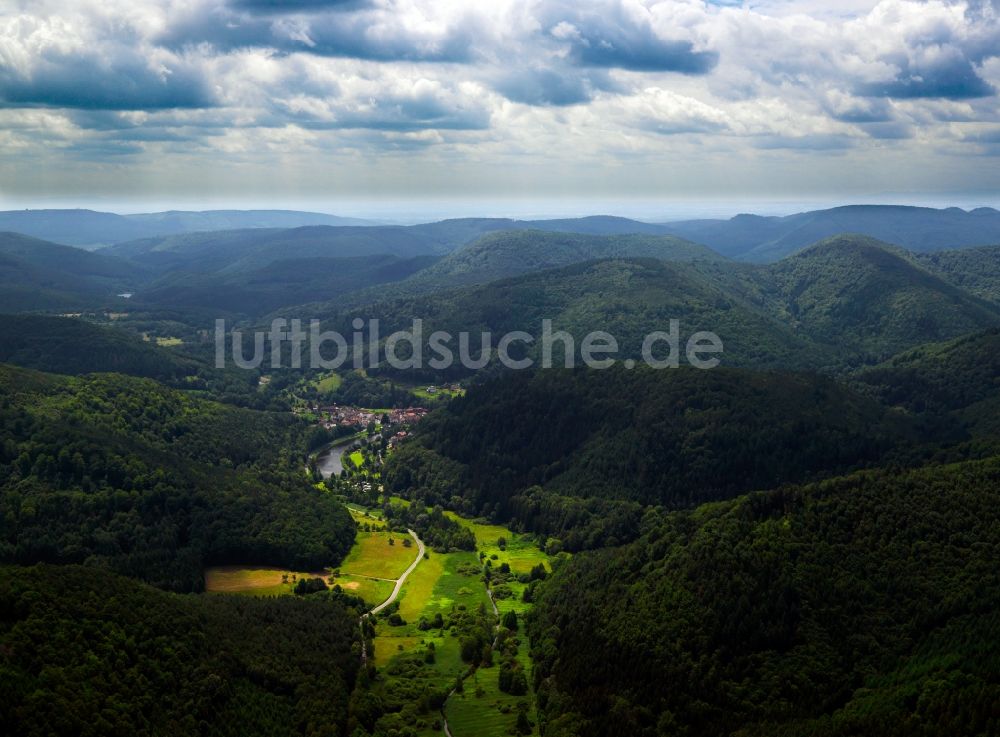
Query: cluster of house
x: 343, y: 416
x: 447, y: 388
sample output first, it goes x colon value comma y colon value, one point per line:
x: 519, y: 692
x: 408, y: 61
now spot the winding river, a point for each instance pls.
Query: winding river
x: 331, y: 461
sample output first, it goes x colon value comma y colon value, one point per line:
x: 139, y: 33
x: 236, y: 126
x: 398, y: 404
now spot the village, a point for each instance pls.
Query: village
x: 336, y: 415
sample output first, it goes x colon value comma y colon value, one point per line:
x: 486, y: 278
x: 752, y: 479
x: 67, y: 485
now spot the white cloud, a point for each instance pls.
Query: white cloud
x: 480, y: 84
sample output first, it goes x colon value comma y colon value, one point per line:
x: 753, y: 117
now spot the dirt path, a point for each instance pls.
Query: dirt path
x: 496, y: 638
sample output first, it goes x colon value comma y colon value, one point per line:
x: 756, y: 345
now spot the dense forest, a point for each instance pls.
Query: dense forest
x: 87, y: 652
x: 67, y: 346
x: 125, y: 473
x: 860, y: 605
x: 957, y: 378
x: 675, y: 438
x: 842, y: 304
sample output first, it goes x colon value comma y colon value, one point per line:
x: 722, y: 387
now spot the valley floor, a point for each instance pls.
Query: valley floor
x: 422, y: 586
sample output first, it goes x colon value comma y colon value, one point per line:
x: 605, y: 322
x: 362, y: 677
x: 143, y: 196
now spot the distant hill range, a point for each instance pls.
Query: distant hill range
x: 91, y: 229
x: 845, y: 302
x: 38, y: 275
x: 765, y: 239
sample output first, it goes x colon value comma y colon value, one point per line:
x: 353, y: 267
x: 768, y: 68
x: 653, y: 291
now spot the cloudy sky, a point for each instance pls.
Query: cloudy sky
x: 324, y: 103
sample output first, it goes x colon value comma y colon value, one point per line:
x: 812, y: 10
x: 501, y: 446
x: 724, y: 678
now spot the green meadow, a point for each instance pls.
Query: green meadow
x: 379, y: 554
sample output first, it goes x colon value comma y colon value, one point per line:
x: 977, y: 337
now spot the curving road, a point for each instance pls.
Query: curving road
x: 402, y: 579
x: 392, y: 597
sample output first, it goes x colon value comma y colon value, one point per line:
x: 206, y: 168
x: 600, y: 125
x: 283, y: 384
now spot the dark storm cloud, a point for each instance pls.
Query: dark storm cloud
x: 553, y: 86
x: 647, y: 54
x: 297, y: 6
x: 955, y: 79
x: 401, y: 113
x: 610, y: 37
x: 350, y: 32
x: 122, y: 80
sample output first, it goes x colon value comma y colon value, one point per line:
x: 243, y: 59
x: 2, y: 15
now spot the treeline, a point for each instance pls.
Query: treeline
x: 860, y: 605
x: 624, y: 439
x: 87, y: 652
x: 121, y: 472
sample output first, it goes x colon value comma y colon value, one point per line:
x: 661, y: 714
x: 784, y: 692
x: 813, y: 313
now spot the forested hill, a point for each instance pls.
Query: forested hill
x: 291, y: 281
x: 511, y: 253
x: 237, y: 251
x: 847, y: 302
x: 860, y: 606
x: 675, y: 438
x: 91, y: 229
x: 976, y: 270
x: 766, y: 239
x: 871, y: 299
x: 629, y: 298
x: 959, y: 377
x: 86, y: 652
x: 72, y: 346
x: 38, y: 275
x: 124, y: 473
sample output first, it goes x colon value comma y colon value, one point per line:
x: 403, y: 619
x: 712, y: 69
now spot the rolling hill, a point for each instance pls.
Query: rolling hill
x: 976, y: 270
x: 870, y: 300
x: 126, y: 474
x: 840, y: 304
x: 77, y: 639
x: 864, y: 605
x: 766, y: 239
x: 243, y: 250
x: 628, y: 298
x: 673, y: 438
x: 38, y: 275
x: 506, y: 254
x: 71, y: 346
x: 90, y: 229
x: 959, y: 377
x: 283, y: 283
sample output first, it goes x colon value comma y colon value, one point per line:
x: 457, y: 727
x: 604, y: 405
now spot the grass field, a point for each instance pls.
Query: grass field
x: 361, y: 515
x: 441, y: 393
x: 373, y: 556
x: 357, y: 459
x: 252, y: 580
x: 441, y: 582
x: 329, y: 383
x: 483, y: 710
x: 374, y: 591
x: 434, y: 586
x: 522, y: 554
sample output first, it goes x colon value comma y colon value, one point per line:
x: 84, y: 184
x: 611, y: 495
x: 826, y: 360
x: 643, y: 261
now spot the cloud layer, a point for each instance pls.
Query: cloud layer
x: 393, y: 88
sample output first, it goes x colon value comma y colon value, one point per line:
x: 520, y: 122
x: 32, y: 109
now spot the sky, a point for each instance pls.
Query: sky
x: 374, y: 107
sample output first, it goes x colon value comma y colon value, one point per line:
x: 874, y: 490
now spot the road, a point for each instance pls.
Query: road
x: 392, y: 597
x: 402, y: 579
